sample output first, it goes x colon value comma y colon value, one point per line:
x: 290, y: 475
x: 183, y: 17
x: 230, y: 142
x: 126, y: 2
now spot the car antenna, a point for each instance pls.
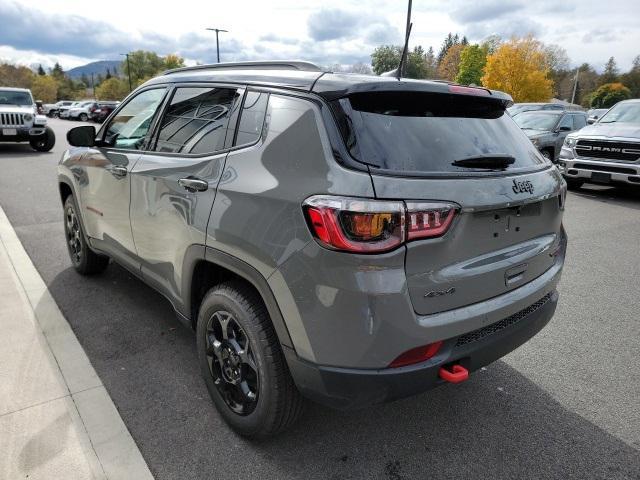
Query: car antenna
x: 403, y: 58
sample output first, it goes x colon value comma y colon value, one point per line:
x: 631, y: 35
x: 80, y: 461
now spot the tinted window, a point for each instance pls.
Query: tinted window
x: 537, y: 121
x: 426, y: 132
x: 131, y: 124
x: 567, y: 121
x: 579, y: 121
x: 12, y: 97
x: 196, y: 120
x: 252, y: 118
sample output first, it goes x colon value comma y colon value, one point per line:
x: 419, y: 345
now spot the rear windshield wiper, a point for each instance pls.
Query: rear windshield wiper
x: 490, y: 161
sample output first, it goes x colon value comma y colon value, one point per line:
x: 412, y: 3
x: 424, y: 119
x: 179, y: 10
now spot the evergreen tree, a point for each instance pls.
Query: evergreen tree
x: 611, y: 72
x: 108, y: 75
x: 41, y: 71
x: 57, y: 72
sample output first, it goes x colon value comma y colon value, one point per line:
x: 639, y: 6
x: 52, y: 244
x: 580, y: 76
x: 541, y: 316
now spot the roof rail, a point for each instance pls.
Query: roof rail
x: 268, y: 65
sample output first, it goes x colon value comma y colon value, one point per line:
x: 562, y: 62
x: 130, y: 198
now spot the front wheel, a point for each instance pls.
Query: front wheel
x: 44, y: 142
x: 83, y: 117
x: 242, y: 363
x: 84, y: 260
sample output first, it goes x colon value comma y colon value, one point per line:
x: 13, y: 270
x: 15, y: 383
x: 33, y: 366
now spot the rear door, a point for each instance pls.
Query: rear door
x: 174, y: 184
x: 104, y: 176
x: 508, y: 220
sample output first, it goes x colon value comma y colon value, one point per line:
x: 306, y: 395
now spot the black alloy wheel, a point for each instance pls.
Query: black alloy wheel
x: 231, y: 363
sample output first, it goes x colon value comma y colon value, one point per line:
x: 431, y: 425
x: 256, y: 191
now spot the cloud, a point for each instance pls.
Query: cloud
x: 507, y: 27
x: 475, y: 11
x: 332, y: 24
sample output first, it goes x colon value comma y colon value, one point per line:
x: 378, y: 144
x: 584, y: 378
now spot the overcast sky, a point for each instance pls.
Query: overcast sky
x: 75, y: 32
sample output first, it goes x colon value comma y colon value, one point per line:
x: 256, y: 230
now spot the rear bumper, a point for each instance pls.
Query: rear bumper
x: 345, y: 388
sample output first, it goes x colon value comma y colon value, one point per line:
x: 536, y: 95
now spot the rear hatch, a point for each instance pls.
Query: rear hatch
x: 509, y: 198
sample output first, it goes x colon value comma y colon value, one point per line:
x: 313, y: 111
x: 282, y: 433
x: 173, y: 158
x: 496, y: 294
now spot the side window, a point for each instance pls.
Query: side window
x: 130, y: 126
x: 196, y: 121
x: 579, y: 121
x: 567, y: 121
x: 252, y: 118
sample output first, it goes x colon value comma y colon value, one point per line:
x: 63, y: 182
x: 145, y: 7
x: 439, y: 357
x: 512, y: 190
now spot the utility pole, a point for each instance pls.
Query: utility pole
x: 575, y: 86
x: 217, y: 30
x: 128, y: 69
x: 93, y: 87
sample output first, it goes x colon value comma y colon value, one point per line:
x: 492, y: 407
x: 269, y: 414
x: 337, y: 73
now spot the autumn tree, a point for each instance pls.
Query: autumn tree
x: 448, y: 67
x: 519, y: 67
x: 448, y: 42
x: 472, y: 61
x: 173, y: 61
x: 45, y: 88
x: 15, y: 76
x: 113, y: 88
x: 609, y: 94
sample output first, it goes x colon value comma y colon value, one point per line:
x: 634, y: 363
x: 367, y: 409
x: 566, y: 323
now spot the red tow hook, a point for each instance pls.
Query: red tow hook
x: 457, y: 374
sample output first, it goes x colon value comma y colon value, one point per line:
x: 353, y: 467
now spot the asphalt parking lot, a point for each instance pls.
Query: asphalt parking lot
x: 565, y: 405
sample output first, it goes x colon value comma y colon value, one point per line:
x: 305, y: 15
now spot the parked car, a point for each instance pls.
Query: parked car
x: 54, y: 110
x: 83, y: 111
x: 517, y: 108
x: 102, y: 111
x: 548, y: 129
x: 344, y: 238
x: 607, y: 152
x: 20, y: 121
x: 594, y: 114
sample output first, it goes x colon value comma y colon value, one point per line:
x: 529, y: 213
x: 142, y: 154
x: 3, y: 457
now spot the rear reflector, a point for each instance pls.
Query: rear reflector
x: 373, y: 226
x: 416, y: 355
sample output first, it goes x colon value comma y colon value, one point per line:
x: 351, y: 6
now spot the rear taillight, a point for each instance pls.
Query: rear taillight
x: 372, y: 226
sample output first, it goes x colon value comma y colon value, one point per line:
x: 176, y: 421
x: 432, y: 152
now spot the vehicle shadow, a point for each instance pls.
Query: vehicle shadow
x: 497, y: 425
x: 627, y: 196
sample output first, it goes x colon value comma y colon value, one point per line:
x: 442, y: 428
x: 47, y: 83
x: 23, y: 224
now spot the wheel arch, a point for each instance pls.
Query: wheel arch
x: 209, y: 267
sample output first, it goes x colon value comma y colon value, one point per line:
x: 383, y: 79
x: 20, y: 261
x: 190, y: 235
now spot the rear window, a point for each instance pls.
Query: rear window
x: 415, y: 133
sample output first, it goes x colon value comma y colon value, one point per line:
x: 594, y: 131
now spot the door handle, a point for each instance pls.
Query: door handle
x: 192, y: 184
x: 117, y: 171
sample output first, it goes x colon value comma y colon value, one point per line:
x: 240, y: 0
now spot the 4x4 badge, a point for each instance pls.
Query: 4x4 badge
x: 521, y: 187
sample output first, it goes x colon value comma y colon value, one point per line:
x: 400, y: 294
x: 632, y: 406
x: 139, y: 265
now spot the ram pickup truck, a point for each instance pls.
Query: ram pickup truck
x: 607, y: 152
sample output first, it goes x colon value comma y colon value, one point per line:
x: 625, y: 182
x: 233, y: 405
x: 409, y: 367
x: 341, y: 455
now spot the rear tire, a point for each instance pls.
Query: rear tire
x: 84, y: 117
x: 84, y: 260
x: 252, y: 390
x: 44, y: 142
x: 574, y: 183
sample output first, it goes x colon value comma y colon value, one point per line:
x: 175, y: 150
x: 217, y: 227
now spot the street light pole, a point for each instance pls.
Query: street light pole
x: 128, y: 69
x: 217, y: 30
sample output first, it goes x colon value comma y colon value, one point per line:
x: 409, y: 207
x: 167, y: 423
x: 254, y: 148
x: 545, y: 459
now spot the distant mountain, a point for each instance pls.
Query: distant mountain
x: 95, y: 68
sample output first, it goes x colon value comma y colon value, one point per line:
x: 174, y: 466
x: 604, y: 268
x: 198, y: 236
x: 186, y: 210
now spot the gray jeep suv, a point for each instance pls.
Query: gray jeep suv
x: 350, y: 239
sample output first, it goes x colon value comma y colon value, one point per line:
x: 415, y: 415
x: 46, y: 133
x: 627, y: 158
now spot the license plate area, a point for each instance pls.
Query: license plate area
x: 10, y: 132
x: 601, y: 177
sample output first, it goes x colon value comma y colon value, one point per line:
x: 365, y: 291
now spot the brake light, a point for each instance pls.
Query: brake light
x: 416, y: 355
x: 469, y: 90
x: 373, y: 226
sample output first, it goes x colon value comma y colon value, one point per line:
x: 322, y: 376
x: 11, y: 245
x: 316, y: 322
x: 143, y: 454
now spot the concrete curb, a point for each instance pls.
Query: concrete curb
x: 108, y: 446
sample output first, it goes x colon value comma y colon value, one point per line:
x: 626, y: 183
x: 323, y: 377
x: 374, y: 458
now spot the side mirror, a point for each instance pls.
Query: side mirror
x: 564, y: 128
x: 84, y: 136
x: 591, y: 121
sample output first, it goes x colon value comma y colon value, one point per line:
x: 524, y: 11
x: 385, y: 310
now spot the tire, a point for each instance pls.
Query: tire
x: 260, y: 366
x: 84, y: 260
x: 44, y: 142
x: 83, y: 117
x: 546, y: 153
x: 574, y: 183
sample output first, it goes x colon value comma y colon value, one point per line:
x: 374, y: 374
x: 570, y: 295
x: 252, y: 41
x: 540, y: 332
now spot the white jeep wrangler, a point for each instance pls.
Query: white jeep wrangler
x: 20, y: 122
